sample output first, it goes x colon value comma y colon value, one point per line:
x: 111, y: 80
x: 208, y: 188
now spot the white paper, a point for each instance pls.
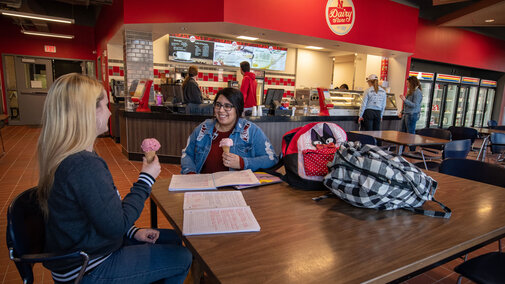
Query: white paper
x: 191, y: 182
x: 36, y: 84
x: 219, y: 220
x: 231, y: 178
x: 216, y: 199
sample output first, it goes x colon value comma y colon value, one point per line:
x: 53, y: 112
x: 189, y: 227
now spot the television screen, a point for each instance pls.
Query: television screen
x: 189, y: 49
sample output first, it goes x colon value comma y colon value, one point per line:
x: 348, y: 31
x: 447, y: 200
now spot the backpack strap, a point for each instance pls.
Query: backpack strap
x: 432, y: 213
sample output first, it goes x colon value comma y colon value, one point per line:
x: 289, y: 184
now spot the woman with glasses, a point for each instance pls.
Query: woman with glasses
x: 251, y: 148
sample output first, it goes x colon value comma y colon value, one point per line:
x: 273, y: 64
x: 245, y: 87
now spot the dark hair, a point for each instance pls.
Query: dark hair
x: 344, y: 87
x: 192, y: 72
x: 413, y: 84
x: 244, y: 65
x: 235, y: 97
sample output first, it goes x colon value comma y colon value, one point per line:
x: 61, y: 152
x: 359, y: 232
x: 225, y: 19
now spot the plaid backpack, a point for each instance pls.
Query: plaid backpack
x: 370, y: 177
x: 306, y: 152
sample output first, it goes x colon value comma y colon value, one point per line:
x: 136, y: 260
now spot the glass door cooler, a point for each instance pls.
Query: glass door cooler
x: 443, y: 107
x: 471, y: 105
x: 489, y: 86
x: 462, y: 107
x: 426, y: 80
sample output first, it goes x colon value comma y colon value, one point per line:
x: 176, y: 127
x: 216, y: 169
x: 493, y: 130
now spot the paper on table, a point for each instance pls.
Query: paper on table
x: 230, y: 178
x: 191, y: 182
x: 219, y: 220
x: 217, y: 199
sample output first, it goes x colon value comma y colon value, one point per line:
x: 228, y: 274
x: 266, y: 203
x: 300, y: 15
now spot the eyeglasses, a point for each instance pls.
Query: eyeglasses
x: 227, y: 107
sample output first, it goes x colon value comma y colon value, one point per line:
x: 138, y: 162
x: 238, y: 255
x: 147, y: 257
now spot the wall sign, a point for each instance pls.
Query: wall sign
x: 340, y: 16
x: 50, y: 48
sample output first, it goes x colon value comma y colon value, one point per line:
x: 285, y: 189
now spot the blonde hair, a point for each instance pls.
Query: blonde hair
x: 375, y: 84
x: 192, y: 72
x: 68, y: 126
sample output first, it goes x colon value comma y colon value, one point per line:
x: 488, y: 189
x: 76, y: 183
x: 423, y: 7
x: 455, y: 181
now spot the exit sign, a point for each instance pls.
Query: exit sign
x: 50, y: 48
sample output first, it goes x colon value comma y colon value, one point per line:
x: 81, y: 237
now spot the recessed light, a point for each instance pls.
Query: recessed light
x: 489, y: 20
x: 247, y: 37
x: 313, y: 47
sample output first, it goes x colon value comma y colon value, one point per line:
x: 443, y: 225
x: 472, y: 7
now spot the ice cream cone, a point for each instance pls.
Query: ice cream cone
x: 226, y: 149
x: 150, y: 156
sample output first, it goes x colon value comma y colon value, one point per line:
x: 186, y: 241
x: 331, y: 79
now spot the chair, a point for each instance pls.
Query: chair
x: 497, y: 145
x: 26, y: 237
x: 454, y: 149
x: 430, y: 132
x: 474, y: 170
x: 462, y: 133
x: 362, y: 138
x: 486, y: 268
x: 492, y: 123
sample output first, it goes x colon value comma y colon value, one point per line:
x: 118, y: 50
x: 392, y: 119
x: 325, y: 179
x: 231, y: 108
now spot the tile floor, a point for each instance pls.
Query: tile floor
x: 18, y: 171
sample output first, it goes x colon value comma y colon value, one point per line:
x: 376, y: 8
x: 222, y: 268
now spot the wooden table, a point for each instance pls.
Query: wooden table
x: 403, y: 139
x: 302, y: 241
x: 486, y: 132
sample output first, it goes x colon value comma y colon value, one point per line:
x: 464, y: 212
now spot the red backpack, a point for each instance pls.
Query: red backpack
x: 306, y: 152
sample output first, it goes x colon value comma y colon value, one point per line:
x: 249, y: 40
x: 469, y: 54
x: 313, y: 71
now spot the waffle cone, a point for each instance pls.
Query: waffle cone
x: 150, y: 156
x: 226, y: 149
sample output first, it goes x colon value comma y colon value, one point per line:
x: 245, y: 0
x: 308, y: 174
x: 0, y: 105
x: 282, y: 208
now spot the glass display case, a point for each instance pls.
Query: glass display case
x: 349, y: 102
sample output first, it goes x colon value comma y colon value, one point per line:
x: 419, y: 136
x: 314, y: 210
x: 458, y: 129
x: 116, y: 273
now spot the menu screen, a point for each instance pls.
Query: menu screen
x: 186, y: 48
x: 190, y: 50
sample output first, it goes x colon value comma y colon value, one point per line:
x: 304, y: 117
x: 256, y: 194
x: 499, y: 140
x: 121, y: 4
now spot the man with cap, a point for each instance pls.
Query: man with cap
x: 373, y: 104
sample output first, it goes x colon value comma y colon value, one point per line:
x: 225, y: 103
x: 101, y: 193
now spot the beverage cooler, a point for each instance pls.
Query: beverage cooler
x: 467, y: 98
x: 443, y: 107
x: 426, y: 80
x: 486, y: 95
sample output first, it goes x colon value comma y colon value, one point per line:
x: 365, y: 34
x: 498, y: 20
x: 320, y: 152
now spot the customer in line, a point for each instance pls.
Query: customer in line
x: 82, y: 207
x: 373, y: 104
x: 190, y: 89
x: 251, y: 148
x: 248, y: 87
x: 411, y: 105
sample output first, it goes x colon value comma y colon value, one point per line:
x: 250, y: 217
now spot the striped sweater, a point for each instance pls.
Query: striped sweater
x: 86, y: 212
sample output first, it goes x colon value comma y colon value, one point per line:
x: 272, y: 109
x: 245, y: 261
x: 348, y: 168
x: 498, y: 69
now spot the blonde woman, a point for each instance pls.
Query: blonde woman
x: 373, y: 104
x: 82, y: 206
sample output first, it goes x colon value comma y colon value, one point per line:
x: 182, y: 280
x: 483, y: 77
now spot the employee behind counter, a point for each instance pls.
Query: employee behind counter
x: 192, y: 95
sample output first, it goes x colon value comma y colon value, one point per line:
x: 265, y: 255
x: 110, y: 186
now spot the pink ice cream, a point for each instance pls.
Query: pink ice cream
x: 150, y: 146
x: 226, y: 143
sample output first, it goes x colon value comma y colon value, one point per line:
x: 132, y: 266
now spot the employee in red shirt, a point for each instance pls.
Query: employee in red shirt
x: 248, y: 86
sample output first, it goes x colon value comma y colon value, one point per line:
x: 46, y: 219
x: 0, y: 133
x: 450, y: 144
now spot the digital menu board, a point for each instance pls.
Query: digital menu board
x: 190, y: 49
x: 198, y: 49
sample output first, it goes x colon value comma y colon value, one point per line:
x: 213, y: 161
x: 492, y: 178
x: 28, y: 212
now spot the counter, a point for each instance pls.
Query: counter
x: 173, y: 130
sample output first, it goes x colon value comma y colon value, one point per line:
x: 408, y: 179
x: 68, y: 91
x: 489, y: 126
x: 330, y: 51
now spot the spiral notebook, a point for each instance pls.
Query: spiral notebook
x: 212, y: 181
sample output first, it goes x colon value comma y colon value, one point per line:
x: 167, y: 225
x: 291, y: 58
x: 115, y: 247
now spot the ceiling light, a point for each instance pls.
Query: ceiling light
x: 489, y: 20
x: 313, y: 47
x: 37, y: 17
x: 247, y: 37
x: 47, y: 34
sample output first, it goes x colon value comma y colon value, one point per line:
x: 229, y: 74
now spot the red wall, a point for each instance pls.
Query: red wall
x: 163, y: 11
x: 459, y: 47
x: 379, y: 23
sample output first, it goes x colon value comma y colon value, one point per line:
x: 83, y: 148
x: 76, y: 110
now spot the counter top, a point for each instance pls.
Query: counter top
x: 188, y: 117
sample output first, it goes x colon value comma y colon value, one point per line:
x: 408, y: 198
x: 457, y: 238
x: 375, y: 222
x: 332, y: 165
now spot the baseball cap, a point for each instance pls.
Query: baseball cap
x: 372, y: 77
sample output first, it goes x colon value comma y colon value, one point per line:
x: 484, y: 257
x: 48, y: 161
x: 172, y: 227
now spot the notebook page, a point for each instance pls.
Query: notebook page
x: 191, y: 182
x: 219, y: 220
x: 215, y: 199
x: 230, y: 178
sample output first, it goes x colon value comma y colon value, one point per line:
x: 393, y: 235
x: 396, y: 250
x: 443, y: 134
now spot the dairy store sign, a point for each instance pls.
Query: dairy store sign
x: 340, y: 15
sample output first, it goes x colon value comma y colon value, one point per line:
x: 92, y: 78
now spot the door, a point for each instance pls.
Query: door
x: 481, y: 104
x: 425, y: 105
x: 436, y: 106
x: 472, y: 100
x: 461, y: 106
x: 450, y: 105
x: 34, y: 76
x: 489, y: 106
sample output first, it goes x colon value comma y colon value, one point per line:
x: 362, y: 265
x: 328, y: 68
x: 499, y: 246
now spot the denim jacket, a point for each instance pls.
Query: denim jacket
x: 373, y: 100
x: 249, y: 142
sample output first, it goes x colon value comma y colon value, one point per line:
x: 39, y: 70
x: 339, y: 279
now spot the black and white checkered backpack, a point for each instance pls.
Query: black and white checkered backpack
x: 371, y: 177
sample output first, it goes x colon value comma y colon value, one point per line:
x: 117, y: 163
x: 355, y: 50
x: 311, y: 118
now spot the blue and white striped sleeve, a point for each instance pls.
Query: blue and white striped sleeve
x: 146, y: 179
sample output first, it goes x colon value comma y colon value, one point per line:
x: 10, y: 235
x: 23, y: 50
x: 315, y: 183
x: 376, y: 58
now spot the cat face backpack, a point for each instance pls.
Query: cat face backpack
x: 306, y: 152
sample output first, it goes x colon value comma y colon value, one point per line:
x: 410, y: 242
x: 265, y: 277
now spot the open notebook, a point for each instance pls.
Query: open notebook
x: 216, y: 213
x: 212, y: 181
